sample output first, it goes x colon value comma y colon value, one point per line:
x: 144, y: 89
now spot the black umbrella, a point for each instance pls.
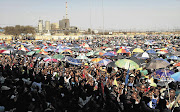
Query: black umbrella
x: 119, y: 57
x: 111, y: 64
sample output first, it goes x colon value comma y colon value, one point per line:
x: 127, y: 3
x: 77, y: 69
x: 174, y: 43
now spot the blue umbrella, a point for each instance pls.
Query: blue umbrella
x: 163, y: 74
x: 108, y: 54
x: 173, y: 57
x: 151, y: 51
x: 74, y: 61
x: 176, y: 76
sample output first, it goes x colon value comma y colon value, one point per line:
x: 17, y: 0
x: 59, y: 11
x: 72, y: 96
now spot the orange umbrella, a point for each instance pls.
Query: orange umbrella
x: 96, y: 59
x: 177, y: 64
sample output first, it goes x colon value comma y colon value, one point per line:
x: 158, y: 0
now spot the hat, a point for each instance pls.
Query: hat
x: 132, y: 75
x: 86, y: 64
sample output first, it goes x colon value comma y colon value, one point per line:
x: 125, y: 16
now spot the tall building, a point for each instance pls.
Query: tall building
x: 47, y: 25
x: 40, y: 26
x: 64, y: 24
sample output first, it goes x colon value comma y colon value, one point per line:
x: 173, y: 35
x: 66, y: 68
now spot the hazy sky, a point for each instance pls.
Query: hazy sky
x: 118, y: 14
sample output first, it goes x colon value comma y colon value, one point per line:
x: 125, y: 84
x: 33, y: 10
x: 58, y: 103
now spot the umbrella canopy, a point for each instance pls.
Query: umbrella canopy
x: 74, y: 61
x: 127, y: 64
x: 138, y: 50
x: 143, y: 55
x: 174, y: 58
x: 151, y: 51
x: 158, y: 63
x: 104, y: 62
x: 82, y: 57
x: 96, y: 60
x: 123, y: 51
x: 111, y: 64
x: 50, y: 60
x: 58, y: 56
x: 176, y: 76
x: 177, y: 64
x: 31, y: 53
x: 90, y: 53
x: 118, y: 57
x: 163, y: 74
x: 108, y: 54
x: 113, y: 52
x: 59, y: 50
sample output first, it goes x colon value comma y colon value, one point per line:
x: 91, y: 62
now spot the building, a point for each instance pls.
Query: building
x: 54, y: 26
x: 47, y: 26
x: 64, y: 24
x: 40, y: 26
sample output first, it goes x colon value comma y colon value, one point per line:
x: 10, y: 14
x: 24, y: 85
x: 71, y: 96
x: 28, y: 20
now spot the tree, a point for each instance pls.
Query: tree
x: 18, y: 30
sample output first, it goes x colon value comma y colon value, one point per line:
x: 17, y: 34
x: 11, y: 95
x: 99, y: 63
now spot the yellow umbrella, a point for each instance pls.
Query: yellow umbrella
x: 138, y: 50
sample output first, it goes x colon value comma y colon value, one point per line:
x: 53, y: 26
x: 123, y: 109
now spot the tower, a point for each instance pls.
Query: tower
x: 66, y: 11
x: 64, y: 24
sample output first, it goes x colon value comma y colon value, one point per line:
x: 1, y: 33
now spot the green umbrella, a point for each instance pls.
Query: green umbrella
x: 127, y: 64
x: 90, y: 53
x: 58, y: 56
x: 106, y: 45
x: 38, y: 51
x: 30, y: 53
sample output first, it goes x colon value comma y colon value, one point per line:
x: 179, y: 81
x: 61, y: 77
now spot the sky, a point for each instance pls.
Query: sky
x: 112, y: 14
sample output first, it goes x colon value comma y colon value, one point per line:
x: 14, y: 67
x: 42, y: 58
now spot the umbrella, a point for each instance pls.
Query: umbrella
x: 58, y: 56
x: 20, y: 52
x: 104, y: 62
x: 174, y: 58
x: 127, y: 64
x: 98, y: 53
x: 151, y: 51
x: 111, y: 64
x: 138, y: 50
x: 118, y: 57
x: 158, y: 63
x: 50, y: 60
x: 5, y: 51
x: 58, y: 50
x: 113, y: 52
x: 31, y: 53
x: 123, y: 51
x: 137, y: 60
x: 108, y: 54
x: 90, y: 53
x: 163, y: 74
x: 82, y: 57
x: 143, y: 55
x: 74, y: 61
x: 176, y: 76
x: 177, y: 64
x: 22, y: 48
x: 44, y: 52
x: 96, y: 59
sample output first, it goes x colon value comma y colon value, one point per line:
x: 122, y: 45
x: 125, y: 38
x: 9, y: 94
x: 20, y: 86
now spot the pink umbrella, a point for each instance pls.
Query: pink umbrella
x: 50, y: 60
x: 113, y: 52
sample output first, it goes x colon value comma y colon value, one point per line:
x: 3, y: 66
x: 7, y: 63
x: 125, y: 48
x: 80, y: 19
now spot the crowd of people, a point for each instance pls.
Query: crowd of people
x: 28, y: 83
